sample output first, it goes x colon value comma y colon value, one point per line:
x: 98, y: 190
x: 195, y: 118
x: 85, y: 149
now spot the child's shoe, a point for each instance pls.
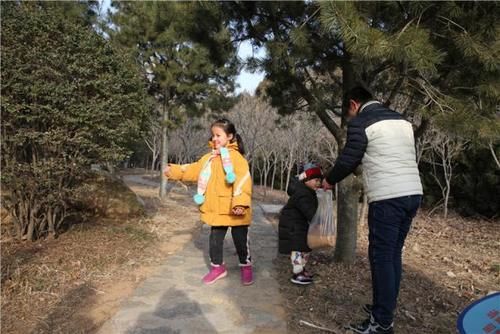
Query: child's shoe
x: 301, y: 279
x: 216, y: 272
x: 308, y: 274
x: 246, y: 274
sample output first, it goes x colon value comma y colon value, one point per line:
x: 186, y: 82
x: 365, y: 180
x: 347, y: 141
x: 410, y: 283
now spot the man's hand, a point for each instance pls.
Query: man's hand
x: 327, y: 186
x: 238, y: 211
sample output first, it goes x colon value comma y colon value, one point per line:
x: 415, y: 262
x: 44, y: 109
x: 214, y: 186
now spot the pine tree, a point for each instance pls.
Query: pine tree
x: 186, y: 53
x: 442, y: 56
x: 411, y: 54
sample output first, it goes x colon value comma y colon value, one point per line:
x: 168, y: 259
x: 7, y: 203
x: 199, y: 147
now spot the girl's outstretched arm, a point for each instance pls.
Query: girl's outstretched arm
x: 186, y: 173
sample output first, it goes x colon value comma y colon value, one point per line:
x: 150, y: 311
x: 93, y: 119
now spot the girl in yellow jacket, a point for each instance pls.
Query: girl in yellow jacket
x: 224, y: 195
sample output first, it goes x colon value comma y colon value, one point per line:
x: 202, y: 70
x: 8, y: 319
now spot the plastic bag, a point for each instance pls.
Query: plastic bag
x: 322, y: 229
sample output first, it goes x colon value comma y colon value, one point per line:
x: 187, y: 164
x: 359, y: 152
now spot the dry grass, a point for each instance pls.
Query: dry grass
x: 447, y: 265
x: 271, y: 196
x: 53, y: 286
x: 73, y: 284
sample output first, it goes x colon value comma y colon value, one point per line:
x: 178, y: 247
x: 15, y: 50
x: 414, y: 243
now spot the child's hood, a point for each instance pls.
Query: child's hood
x: 296, y: 186
x: 292, y: 185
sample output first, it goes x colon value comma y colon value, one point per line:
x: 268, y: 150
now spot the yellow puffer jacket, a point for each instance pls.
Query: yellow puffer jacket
x: 221, y: 197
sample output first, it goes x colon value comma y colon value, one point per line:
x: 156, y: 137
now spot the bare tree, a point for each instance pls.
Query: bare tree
x: 423, y: 144
x: 442, y: 158
x: 325, y: 148
x: 189, y: 141
x: 493, y: 153
x: 254, y: 119
x: 153, y: 141
x: 275, y: 145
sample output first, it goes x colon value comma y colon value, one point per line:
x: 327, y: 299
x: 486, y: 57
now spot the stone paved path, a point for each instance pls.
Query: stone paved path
x: 175, y: 301
x: 139, y: 179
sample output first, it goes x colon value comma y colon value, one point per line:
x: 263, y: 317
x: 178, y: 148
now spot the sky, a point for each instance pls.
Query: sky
x: 246, y: 81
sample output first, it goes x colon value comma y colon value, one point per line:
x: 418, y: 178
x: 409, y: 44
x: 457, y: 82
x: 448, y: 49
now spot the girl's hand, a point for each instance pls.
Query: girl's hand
x: 166, y: 171
x: 238, y: 211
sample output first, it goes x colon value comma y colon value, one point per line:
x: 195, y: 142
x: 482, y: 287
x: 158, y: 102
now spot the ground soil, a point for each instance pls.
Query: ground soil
x: 447, y: 265
x: 76, y: 282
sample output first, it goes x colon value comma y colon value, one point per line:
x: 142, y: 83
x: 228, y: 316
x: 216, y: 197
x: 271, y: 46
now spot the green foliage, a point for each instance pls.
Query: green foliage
x: 183, y: 47
x: 436, y: 62
x: 370, y: 38
x: 69, y: 99
x: 293, y: 45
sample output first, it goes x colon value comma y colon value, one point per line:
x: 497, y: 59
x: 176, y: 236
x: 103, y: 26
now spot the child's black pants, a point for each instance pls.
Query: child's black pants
x: 240, y: 239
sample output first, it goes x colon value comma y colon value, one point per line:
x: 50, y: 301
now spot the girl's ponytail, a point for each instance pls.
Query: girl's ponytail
x: 239, y: 141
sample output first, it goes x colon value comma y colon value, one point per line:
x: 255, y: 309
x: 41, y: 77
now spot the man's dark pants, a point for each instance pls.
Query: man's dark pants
x: 389, y: 222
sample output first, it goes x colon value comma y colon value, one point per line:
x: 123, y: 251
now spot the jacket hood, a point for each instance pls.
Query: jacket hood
x: 296, y: 185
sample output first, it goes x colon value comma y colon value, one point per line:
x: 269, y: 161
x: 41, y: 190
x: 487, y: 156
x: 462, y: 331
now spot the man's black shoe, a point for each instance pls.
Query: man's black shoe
x: 370, y: 326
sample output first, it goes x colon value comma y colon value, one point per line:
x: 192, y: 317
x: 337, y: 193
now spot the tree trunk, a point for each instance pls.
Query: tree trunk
x: 261, y: 177
x: 282, y: 170
x: 110, y: 167
x: 164, y: 151
x: 50, y: 221
x: 273, y: 176
x: 267, y: 169
x: 264, y: 176
x: 348, y: 189
x: 448, y: 188
x: 30, y: 233
x: 289, y: 170
x: 448, y: 170
x: 153, y: 162
x: 157, y: 164
x: 446, y: 198
x: 347, y: 219
x: 493, y: 153
x: 364, y: 208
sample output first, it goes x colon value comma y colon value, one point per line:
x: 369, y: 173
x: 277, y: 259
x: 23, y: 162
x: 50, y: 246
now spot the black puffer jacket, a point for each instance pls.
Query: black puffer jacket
x: 295, y: 217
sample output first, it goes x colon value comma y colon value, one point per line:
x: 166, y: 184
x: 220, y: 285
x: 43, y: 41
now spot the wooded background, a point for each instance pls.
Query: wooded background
x: 140, y: 86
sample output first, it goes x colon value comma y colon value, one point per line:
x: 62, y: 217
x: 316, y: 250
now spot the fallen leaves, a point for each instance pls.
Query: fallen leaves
x: 447, y: 265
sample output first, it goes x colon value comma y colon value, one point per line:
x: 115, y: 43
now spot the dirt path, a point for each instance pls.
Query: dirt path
x: 134, y: 179
x: 108, y: 301
x: 173, y: 299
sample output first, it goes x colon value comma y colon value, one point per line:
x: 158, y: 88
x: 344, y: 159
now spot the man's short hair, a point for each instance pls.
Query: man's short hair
x: 358, y: 94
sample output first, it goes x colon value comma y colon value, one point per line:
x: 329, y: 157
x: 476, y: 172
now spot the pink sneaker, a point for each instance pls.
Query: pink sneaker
x: 246, y: 274
x: 216, y: 272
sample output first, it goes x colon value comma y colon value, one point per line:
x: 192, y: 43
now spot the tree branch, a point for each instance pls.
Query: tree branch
x: 305, y: 323
x: 490, y: 145
x: 397, y: 86
x: 369, y: 77
x: 320, y: 109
